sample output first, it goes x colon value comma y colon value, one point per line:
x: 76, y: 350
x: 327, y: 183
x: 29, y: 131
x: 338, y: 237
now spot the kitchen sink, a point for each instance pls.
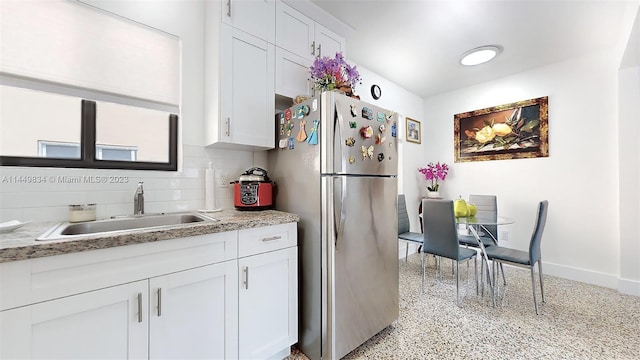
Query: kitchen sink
x: 67, y: 230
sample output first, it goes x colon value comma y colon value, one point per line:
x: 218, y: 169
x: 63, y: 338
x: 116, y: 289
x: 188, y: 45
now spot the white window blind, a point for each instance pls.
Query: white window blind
x: 74, y: 44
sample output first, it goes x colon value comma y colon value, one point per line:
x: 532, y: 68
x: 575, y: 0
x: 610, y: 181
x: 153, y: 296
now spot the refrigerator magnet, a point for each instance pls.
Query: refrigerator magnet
x: 300, y: 112
x: 287, y: 114
x: 313, y: 137
x: 290, y: 143
x: 366, y: 131
x: 352, y: 159
x: 353, y: 124
x: 314, y: 105
x: 381, y: 117
x: 283, y: 143
x: 354, y: 111
x: 390, y: 117
x: 380, y: 139
x: 367, y: 151
x: 367, y: 113
x: 382, y: 128
x: 302, y: 133
x: 380, y: 156
x: 350, y: 141
x: 393, y: 130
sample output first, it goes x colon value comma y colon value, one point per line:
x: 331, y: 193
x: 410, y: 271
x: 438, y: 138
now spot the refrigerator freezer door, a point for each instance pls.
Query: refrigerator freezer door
x: 363, y: 258
x: 363, y: 138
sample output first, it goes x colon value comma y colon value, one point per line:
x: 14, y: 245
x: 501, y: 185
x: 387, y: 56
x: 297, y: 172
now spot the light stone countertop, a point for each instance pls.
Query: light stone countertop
x: 21, y: 244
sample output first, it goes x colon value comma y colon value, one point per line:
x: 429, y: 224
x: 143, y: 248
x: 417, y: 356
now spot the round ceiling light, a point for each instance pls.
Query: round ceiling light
x: 480, y: 55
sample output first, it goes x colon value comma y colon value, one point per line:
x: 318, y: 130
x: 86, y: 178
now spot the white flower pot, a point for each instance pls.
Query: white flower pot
x: 433, y: 194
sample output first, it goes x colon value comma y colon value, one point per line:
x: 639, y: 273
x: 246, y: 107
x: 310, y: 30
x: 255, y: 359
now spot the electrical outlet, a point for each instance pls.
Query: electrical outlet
x: 222, y: 178
x: 504, y: 236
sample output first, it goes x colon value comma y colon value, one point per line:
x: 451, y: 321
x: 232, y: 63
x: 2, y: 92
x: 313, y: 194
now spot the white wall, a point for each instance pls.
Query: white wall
x: 629, y: 157
x: 579, y: 178
x: 412, y: 155
x: 164, y: 191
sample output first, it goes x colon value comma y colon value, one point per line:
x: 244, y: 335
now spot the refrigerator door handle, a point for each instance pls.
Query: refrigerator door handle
x: 339, y: 208
x: 338, y: 145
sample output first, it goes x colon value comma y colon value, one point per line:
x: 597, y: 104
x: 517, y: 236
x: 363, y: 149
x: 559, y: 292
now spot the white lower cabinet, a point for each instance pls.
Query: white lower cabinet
x: 221, y: 296
x: 268, y: 306
x: 107, y: 323
x: 193, y: 313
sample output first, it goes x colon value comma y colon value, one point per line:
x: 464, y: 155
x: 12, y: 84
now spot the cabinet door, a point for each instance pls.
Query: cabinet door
x: 247, y: 90
x: 194, y: 313
x: 108, y: 323
x: 268, y: 306
x: 295, y: 31
x: 256, y: 17
x: 292, y: 74
x: 328, y: 42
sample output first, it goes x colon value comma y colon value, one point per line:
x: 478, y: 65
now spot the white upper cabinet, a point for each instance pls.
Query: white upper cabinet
x: 295, y: 32
x: 256, y: 17
x: 239, y: 85
x: 69, y: 43
x: 299, y: 40
x: 328, y: 43
x: 292, y: 74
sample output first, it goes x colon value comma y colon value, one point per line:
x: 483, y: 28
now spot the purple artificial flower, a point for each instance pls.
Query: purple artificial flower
x: 330, y: 73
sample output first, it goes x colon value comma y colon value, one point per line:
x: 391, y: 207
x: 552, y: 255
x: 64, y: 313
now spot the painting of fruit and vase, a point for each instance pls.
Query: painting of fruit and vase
x: 512, y: 131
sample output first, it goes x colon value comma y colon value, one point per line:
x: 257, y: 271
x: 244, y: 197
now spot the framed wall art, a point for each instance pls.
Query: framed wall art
x: 413, y: 131
x: 511, y: 131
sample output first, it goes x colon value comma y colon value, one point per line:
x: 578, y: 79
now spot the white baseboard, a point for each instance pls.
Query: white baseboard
x: 629, y: 287
x: 612, y: 281
x: 582, y: 275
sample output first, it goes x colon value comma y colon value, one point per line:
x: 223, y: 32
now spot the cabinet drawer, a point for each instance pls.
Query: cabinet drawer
x: 264, y: 239
x: 30, y: 281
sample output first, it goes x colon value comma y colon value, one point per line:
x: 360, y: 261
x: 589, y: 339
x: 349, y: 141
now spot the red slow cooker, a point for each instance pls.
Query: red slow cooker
x: 253, y: 190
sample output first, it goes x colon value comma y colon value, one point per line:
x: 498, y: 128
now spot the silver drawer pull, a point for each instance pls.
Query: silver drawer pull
x: 139, y: 307
x: 272, y: 238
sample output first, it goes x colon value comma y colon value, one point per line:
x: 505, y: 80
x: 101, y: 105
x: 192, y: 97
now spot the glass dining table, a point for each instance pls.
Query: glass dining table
x: 476, y: 226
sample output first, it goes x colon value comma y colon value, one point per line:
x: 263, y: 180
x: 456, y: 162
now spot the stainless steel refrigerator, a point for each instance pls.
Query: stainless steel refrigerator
x: 335, y: 164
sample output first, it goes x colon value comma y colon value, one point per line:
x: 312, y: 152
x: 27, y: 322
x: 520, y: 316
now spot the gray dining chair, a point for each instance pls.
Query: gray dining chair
x: 404, y: 226
x: 499, y: 254
x: 441, y: 238
x: 487, y: 207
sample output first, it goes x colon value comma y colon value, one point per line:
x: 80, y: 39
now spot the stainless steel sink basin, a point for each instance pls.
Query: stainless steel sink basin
x: 68, y: 230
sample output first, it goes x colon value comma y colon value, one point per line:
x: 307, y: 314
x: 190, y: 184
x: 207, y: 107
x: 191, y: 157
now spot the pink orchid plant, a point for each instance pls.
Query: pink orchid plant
x: 434, y: 173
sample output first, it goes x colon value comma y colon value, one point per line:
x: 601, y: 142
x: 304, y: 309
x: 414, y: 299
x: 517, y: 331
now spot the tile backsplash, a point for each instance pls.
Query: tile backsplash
x: 43, y: 194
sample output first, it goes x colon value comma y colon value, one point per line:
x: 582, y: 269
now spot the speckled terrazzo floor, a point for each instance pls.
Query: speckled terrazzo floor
x: 578, y: 321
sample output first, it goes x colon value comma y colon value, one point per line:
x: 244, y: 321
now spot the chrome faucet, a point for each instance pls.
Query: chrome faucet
x: 138, y: 200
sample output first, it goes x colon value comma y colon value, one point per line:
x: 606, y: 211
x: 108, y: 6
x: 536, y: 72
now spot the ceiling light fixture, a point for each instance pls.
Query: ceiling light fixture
x: 480, y: 55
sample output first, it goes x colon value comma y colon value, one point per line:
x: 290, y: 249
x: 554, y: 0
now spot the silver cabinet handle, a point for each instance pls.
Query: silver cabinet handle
x: 313, y: 48
x: 159, y: 302
x: 272, y: 238
x: 319, y: 50
x: 228, y: 127
x: 139, y: 307
x: 246, y: 277
x: 229, y: 8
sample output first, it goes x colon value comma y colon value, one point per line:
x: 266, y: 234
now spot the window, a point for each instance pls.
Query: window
x: 58, y: 150
x: 43, y: 129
